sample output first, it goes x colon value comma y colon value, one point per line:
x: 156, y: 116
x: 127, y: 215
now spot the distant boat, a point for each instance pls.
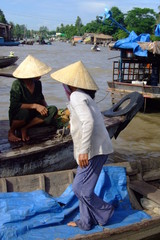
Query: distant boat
x: 6, y: 61
x: 95, y: 48
x: 8, y: 43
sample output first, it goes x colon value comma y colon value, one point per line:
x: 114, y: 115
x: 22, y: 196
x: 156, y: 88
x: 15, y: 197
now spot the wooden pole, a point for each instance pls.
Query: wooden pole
x: 7, y: 75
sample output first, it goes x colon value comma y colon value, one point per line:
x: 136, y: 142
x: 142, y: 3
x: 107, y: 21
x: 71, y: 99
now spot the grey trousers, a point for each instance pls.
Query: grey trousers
x: 93, y: 210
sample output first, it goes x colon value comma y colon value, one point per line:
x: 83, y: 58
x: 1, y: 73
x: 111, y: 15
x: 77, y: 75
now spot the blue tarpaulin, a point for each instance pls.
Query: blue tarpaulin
x: 157, y: 30
x: 131, y: 42
x: 38, y: 216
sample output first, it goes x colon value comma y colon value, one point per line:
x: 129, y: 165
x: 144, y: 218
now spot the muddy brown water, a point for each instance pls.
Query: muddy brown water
x: 141, y: 138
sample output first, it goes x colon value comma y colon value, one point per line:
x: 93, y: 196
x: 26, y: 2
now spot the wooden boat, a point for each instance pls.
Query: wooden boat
x: 27, y: 41
x: 132, y: 73
x: 8, y: 43
x: 140, y: 184
x: 95, y: 48
x: 6, y: 61
x: 47, y: 151
x: 53, y: 151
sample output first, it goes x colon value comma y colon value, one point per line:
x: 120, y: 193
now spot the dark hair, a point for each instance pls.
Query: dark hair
x: 91, y: 93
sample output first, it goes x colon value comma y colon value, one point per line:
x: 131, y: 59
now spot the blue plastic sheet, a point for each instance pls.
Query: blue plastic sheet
x: 38, y: 216
x: 131, y: 42
x: 157, y: 30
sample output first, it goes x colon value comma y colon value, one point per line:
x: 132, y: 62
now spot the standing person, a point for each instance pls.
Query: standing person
x: 27, y: 103
x: 91, y: 143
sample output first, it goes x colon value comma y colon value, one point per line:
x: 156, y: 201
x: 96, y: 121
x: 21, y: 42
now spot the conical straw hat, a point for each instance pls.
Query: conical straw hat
x: 75, y: 75
x: 31, y: 67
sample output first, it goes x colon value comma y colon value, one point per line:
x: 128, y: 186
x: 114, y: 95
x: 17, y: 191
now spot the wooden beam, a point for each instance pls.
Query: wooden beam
x: 146, y: 190
x: 7, y: 75
x: 152, y: 175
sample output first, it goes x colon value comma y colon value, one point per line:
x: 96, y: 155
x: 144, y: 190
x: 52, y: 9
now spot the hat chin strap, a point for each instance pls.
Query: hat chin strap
x: 67, y: 91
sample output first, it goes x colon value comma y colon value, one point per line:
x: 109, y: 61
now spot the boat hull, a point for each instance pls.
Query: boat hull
x: 6, y: 61
x: 50, y: 150
x: 151, y: 94
x: 9, y: 43
x: 55, y: 184
x: 53, y: 153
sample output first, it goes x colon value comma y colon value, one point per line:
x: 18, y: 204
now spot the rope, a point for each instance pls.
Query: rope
x: 102, y: 98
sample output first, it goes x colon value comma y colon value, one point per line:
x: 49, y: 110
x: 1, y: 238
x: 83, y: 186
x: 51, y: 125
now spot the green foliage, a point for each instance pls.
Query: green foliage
x: 19, y: 31
x: 154, y: 38
x: 93, y: 27
x: 2, y: 17
x: 70, y: 31
x: 120, y: 34
x: 141, y: 20
x: 119, y: 17
x: 78, y: 26
x: 43, y: 32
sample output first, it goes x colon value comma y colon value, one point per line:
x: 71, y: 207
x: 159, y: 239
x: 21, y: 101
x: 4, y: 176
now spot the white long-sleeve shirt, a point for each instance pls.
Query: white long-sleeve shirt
x: 87, y: 126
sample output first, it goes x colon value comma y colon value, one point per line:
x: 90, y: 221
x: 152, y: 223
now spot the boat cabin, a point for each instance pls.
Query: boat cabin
x: 134, y: 69
x: 5, y: 31
x: 137, y: 73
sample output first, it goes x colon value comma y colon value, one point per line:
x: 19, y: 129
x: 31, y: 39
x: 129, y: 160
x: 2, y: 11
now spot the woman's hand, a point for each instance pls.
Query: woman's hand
x: 42, y: 109
x: 83, y: 160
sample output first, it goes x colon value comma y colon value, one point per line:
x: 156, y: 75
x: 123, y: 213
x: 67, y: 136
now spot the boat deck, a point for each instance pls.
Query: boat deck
x: 49, y: 182
x: 48, y: 150
x: 41, y: 135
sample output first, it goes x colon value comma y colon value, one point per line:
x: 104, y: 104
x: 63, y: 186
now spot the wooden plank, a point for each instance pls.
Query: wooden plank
x: 146, y: 190
x: 3, y: 185
x: 152, y: 175
x: 137, y: 231
x: 57, y: 182
x: 134, y: 202
x: 42, y: 181
x: 23, y: 183
x: 53, y: 183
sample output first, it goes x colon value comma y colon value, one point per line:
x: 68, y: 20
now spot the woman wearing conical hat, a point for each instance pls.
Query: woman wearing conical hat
x: 27, y: 103
x: 91, y: 143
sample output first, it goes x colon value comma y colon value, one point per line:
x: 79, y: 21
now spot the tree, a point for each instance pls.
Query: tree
x: 2, y: 17
x: 119, y: 17
x: 70, y: 31
x: 107, y: 26
x: 78, y: 25
x: 158, y: 16
x: 141, y: 20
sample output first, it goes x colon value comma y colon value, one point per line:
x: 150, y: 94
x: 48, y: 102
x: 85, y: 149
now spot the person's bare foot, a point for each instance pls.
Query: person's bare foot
x: 25, y: 137
x: 12, y: 137
x: 72, y: 224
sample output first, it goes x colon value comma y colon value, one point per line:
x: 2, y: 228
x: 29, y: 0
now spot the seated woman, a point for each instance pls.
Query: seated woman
x: 27, y: 103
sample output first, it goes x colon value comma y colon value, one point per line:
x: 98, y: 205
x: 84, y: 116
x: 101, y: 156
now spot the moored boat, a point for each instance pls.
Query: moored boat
x: 137, y: 73
x: 50, y: 150
x: 6, y: 61
x: 96, y: 48
x: 8, y: 43
x: 47, y: 215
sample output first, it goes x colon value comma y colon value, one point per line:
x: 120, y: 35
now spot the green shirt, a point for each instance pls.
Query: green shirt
x: 19, y: 95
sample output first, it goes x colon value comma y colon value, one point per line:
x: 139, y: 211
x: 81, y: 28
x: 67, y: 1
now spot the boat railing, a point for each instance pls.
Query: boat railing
x: 130, y: 71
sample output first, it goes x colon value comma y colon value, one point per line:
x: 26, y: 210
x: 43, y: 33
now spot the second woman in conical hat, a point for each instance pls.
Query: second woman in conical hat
x: 27, y: 103
x: 91, y: 143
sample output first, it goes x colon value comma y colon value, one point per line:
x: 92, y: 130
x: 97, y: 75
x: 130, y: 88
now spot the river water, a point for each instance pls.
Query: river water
x: 141, y: 138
